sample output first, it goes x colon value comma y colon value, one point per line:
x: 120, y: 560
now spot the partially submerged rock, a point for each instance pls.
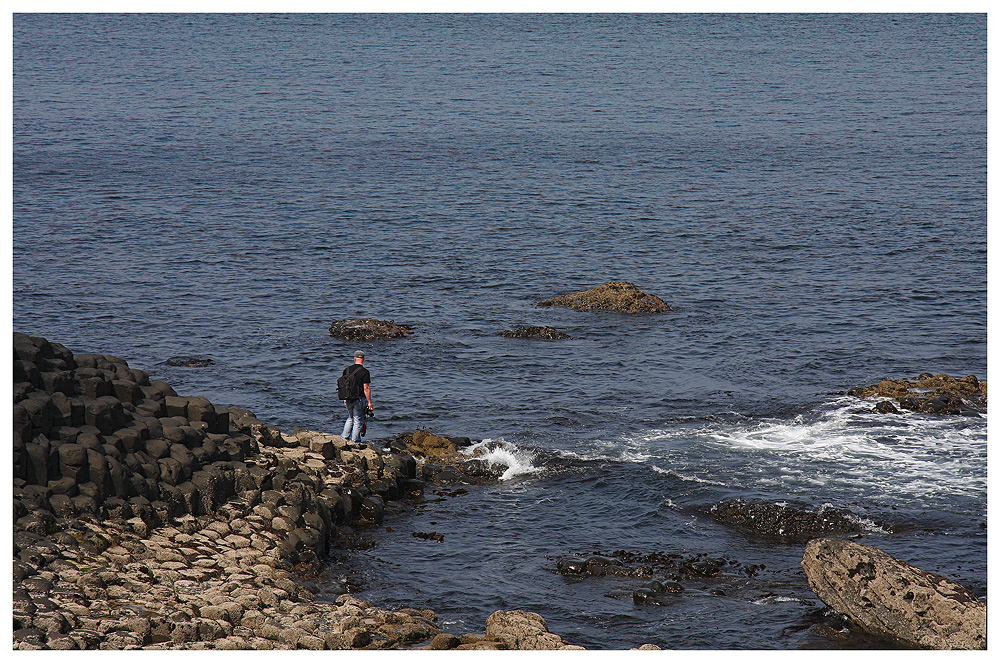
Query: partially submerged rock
x: 669, y: 566
x: 190, y: 362
x: 616, y: 296
x: 439, y: 460
x: 781, y: 521
x: 535, y: 332
x: 892, y: 599
x: 368, y: 329
x: 932, y: 394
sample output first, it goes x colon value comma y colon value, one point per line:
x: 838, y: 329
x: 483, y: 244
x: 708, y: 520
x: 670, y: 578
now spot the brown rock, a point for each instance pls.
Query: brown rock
x: 892, y: 599
x: 427, y: 444
x: 444, y: 641
x: 518, y: 629
x: 617, y: 296
x: 936, y: 394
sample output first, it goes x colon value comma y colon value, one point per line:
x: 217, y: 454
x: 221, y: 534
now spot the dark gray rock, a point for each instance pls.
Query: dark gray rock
x: 190, y: 361
x: 784, y: 522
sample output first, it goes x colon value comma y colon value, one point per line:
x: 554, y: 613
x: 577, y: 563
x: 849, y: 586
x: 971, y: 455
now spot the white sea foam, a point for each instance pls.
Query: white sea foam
x: 843, y: 449
x: 771, y: 600
x: 685, y: 477
x: 502, y: 454
x: 844, y: 445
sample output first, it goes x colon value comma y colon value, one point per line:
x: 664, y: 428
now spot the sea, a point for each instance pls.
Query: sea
x: 807, y: 191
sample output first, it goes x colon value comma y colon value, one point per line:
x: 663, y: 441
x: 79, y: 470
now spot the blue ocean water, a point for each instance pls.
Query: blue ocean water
x: 807, y: 190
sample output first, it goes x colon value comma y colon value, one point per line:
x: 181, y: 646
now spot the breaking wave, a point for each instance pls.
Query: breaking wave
x: 500, y: 454
x: 842, y: 449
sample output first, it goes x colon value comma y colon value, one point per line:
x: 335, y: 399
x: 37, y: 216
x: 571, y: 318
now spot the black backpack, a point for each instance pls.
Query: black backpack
x: 348, y: 388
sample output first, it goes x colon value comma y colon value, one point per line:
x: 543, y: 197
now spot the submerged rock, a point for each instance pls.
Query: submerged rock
x: 931, y: 394
x: 784, y: 522
x: 617, y: 296
x: 368, y: 329
x: 535, y: 332
x: 892, y: 599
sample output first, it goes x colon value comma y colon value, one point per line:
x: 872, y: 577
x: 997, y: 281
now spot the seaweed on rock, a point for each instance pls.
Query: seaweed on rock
x: 616, y: 296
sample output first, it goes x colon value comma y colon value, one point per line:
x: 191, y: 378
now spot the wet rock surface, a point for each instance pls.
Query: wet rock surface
x: 930, y: 394
x: 439, y: 459
x: 190, y: 362
x: 664, y: 578
x: 535, y: 332
x: 783, y: 522
x: 148, y: 520
x: 369, y: 329
x: 892, y: 599
x: 672, y: 567
x: 615, y: 296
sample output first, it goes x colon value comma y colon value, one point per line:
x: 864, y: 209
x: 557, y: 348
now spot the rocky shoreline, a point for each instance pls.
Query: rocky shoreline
x: 148, y: 520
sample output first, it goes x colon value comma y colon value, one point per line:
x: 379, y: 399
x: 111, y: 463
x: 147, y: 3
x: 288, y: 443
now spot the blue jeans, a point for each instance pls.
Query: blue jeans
x: 355, y: 418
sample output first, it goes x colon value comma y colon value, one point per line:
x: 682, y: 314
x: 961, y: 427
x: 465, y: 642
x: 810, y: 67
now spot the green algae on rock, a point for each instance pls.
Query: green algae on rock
x: 368, y: 329
x: 535, y: 332
x: 616, y: 296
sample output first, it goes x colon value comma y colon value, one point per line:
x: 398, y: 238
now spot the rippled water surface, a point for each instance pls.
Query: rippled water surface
x: 807, y: 191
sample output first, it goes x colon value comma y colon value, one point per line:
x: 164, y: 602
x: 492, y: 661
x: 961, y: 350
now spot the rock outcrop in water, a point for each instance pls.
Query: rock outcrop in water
x: 616, y: 296
x: 369, y: 329
x: 931, y: 394
x: 784, y: 522
x: 892, y: 599
x: 535, y: 332
x: 148, y: 520
x: 190, y: 362
x: 440, y: 460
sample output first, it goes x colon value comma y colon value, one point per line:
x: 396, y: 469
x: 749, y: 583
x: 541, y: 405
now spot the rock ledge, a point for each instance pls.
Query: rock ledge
x: 892, y: 599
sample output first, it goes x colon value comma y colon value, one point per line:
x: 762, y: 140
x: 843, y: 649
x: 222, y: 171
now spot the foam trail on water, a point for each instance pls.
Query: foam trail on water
x: 843, y: 446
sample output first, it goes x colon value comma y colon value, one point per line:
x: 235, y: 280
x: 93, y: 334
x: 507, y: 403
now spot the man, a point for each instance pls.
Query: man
x: 356, y: 407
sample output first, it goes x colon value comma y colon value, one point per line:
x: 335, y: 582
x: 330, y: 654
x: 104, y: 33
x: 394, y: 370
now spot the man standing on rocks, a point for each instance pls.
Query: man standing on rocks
x: 358, y: 401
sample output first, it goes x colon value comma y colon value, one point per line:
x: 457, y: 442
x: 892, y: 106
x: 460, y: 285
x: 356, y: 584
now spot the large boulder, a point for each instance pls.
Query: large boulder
x: 368, y: 329
x: 931, y: 394
x: 892, y: 599
x: 616, y: 296
x: 517, y: 629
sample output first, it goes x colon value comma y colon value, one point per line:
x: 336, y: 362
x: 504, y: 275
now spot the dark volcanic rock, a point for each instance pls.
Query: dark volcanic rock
x: 657, y: 593
x: 617, y: 296
x: 639, y: 565
x: 892, y: 599
x: 784, y: 522
x: 931, y: 394
x: 190, y: 362
x: 368, y: 329
x: 535, y: 332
